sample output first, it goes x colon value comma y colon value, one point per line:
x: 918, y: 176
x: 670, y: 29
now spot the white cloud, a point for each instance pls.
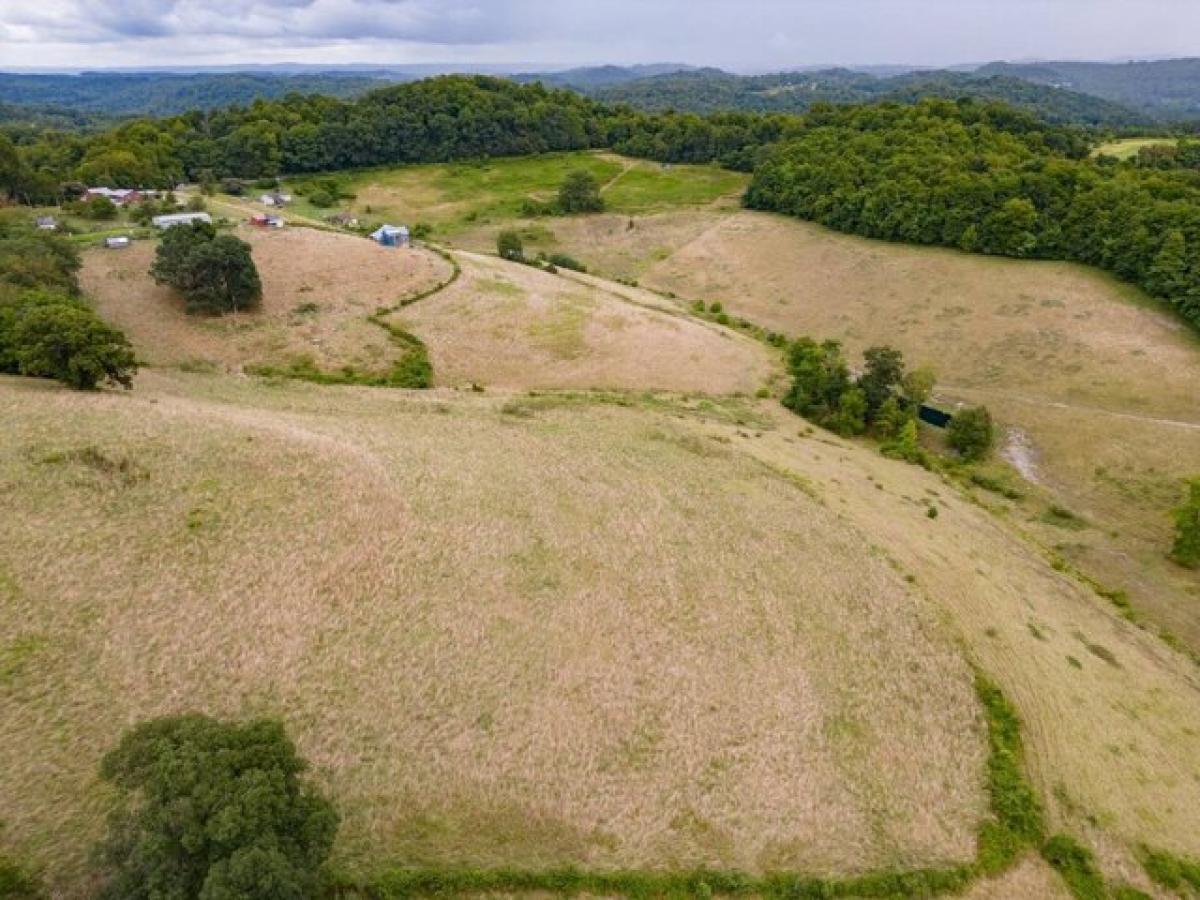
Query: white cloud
x: 750, y: 34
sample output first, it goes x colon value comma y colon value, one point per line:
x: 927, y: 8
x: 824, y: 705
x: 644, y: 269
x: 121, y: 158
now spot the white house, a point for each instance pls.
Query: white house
x: 119, y: 242
x: 165, y: 222
x: 47, y: 223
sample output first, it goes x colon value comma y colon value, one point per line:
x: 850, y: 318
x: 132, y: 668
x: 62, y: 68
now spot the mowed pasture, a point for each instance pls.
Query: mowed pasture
x: 458, y: 198
x: 507, y: 632
x: 318, y: 290
x: 1098, y: 382
x: 509, y: 326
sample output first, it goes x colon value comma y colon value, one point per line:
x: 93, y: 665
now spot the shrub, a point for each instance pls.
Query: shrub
x: 196, y: 203
x: 321, y: 198
x: 510, y: 246
x: 971, y: 433
x: 100, y: 208
x: 580, y: 193
x: 214, y: 810
x: 563, y: 261
x: 51, y: 336
x: 1186, y: 550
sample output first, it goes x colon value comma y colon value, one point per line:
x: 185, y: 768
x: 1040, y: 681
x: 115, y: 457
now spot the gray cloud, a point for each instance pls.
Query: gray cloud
x: 750, y: 34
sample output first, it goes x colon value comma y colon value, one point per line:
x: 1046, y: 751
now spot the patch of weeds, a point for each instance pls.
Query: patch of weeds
x: 114, y: 468
x: 1098, y: 650
x: 201, y: 518
x: 1017, y: 813
x: 1062, y: 517
x: 308, y: 308
x: 197, y: 366
x: 18, y: 883
x: 931, y: 512
x: 1077, y: 867
x: 1035, y: 631
x: 995, y: 485
x: 15, y: 656
x: 1129, y: 892
x: 1171, y: 871
x: 1074, y: 663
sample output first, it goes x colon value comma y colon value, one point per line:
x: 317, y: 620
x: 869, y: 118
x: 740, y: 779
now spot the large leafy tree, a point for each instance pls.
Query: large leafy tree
x: 215, y: 811
x: 44, y: 336
x: 221, y: 277
x: 214, y: 272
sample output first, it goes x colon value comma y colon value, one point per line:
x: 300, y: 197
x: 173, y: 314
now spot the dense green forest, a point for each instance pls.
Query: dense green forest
x: 454, y: 117
x: 981, y: 176
x: 1164, y: 89
x: 711, y: 90
x: 118, y: 94
x: 946, y: 173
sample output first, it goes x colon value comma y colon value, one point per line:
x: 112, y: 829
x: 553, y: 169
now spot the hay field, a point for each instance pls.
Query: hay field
x: 1082, y: 367
x: 509, y: 326
x: 526, y: 633
x: 318, y: 289
x: 1110, y: 713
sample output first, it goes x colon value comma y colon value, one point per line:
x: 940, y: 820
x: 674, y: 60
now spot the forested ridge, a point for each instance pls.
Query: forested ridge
x: 981, y: 176
x: 712, y: 90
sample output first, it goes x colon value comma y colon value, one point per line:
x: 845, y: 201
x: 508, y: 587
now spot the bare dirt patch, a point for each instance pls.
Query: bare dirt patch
x: 511, y: 326
x: 318, y: 289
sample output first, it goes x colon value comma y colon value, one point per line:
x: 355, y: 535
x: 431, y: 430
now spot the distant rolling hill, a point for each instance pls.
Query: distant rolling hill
x: 1163, y: 89
x: 711, y: 90
x: 167, y: 93
x: 593, y: 77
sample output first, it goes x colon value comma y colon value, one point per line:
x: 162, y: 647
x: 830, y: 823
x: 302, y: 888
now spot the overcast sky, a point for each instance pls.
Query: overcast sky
x: 745, y: 35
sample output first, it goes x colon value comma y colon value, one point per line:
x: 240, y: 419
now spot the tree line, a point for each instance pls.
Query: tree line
x: 952, y: 174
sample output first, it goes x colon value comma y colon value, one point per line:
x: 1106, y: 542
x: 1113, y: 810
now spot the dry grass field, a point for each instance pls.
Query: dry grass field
x: 507, y: 632
x: 1085, y: 370
x: 1112, y: 723
x: 511, y: 326
x: 318, y: 289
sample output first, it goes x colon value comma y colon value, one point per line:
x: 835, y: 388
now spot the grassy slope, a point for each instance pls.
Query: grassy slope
x: 463, y: 197
x: 506, y: 632
x: 1086, y: 369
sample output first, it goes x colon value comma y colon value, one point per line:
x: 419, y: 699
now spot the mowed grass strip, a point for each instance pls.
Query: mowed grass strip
x: 570, y: 635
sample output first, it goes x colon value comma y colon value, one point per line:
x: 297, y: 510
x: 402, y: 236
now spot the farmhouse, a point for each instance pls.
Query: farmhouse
x: 391, y: 236
x: 265, y: 220
x: 169, y: 221
x: 119, y: 196
x: 275, y: 199
x: 119, y: 242
x: 47, y: 223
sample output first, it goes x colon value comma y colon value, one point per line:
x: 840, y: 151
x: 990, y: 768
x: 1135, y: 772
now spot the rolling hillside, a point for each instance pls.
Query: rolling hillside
x: 711, y: 90
x: 1163, y: 89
